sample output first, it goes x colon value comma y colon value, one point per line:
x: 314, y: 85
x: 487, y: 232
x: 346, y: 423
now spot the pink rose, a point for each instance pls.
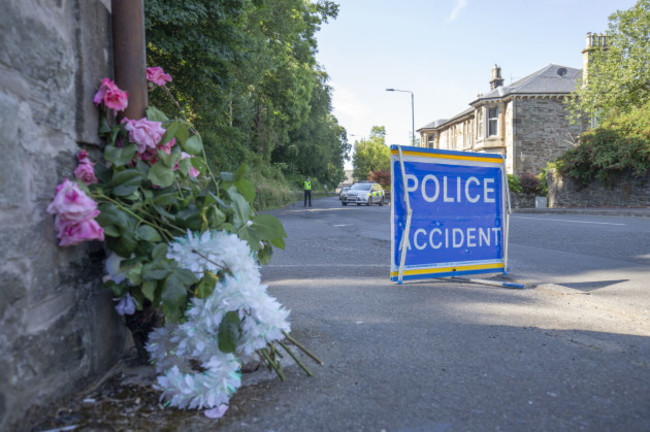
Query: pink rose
x: 113, y: 97
x: 193, y: 171
x: 72, y: 203
x: 157, y: 76
x: 85, y: 172
x: 151, y: 155
x: 167, y: 147
x: 72, y: 233
x: 143, y: 133
x: 75, y: 213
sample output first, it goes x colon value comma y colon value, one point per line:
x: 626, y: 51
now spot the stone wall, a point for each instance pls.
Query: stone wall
x: 57, y: 325
x: 627, y: 192
x: 543, y: 133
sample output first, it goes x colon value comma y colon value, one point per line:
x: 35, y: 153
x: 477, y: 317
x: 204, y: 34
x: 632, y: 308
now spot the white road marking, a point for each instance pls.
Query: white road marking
x: 571, y: 221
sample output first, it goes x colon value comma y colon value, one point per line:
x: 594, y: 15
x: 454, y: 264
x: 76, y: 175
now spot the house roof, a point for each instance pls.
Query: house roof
x: 550, y: 80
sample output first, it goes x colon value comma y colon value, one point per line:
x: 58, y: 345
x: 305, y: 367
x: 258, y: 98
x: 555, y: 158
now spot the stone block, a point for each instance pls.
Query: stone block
x: 12, y: 180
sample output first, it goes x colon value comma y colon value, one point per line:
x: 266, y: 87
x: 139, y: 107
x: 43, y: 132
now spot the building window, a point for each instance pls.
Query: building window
x: 479, y: 123
x: 493, y: 121
x: 431, y: 140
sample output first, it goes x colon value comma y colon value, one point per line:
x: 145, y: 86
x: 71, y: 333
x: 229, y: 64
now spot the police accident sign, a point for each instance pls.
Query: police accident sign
x: 458, y: 218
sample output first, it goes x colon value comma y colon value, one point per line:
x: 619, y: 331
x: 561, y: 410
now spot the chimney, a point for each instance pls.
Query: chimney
x: 496, y: 80
x: 595, y: 41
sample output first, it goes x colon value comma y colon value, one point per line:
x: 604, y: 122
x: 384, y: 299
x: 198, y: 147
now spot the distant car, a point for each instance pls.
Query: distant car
x: 344, y: 193
x: 364, y: 193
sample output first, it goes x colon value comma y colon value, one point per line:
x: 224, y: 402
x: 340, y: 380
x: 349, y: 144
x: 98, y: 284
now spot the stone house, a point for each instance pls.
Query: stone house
x: 526, y: 120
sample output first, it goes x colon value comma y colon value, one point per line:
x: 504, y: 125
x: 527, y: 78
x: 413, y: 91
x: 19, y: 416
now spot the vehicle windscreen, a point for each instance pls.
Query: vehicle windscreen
x: 362, y: 186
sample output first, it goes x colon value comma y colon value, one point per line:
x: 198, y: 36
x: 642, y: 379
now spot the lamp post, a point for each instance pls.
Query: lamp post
x: 412, y: 112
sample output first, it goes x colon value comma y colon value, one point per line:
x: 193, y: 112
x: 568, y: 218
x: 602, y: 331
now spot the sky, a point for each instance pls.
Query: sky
x: 443, y: 51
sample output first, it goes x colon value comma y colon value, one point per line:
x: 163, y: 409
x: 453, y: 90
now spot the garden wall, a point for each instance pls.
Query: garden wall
x: 57, y: 325
x: 627, y: 192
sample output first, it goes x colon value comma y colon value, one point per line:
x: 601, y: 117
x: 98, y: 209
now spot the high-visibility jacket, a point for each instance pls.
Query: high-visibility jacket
x: 307, y: 185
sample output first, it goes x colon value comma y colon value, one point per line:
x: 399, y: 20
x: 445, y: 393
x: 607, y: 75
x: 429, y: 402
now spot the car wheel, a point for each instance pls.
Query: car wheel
x: 358, y: 203
x: 381, y: 203
x: 344, y: 203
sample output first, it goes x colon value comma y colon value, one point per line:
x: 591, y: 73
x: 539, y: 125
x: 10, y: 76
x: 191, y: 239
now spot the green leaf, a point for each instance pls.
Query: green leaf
x: 227, y: 176
x: 278, y: 243
x: 268, y: 227
x: 166, y: 198
x: 241, y: 209
x: 154, y: 114
x: 123, y: 245
x: 190, y: 217
x: 149, y: 290
x: 264, y: 255
x: 215, y: 217
x: 104, y: 127
x: 184, y: 166
x: 120, y: 156
x: 160, y: 175
x: 148, y: 233
x: 159, y: 251
x: 112, y: 219
x: 193, y: 145
x: 134, y: 274
x: 206, y: 285
x: 229, y: 332
x: 170, y: 132
x: 174, y: 298
x: 126, y: 182
x: 155, y: 271
x: 246, y: 188
x: 182, y: 133
x: 102, y: 173
x: 111, y: 231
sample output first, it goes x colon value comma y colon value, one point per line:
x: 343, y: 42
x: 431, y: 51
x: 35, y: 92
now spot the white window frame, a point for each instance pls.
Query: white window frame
x: 492, y: 121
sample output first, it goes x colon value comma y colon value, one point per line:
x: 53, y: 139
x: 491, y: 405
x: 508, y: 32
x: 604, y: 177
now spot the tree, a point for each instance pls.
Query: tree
x: 618, y: 76
x: 371, y: 155
x: 246, y: 71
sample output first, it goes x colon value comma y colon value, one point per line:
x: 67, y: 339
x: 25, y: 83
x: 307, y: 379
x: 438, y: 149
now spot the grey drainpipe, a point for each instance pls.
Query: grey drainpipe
x: 129, y: 54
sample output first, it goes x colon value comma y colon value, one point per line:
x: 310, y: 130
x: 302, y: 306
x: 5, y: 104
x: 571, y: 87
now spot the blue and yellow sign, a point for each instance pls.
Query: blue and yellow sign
x: 458, y: 218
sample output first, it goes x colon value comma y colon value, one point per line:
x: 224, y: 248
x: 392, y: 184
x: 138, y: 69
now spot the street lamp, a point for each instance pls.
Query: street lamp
x: 412, y: 112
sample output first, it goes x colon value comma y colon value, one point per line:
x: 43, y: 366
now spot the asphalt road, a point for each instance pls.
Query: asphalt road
x: 570, y: 352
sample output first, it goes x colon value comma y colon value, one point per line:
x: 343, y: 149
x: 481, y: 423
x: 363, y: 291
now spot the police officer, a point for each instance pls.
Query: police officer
x: 307, y: 188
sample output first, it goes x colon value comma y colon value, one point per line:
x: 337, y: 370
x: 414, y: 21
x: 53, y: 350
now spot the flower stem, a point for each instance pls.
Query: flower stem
x: 276, y: 366
x: 139, y: 218
x: 296, y: 359
x: 305, y: 350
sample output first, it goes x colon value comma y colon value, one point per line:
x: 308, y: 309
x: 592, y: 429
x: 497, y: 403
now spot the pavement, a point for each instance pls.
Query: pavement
x: 617, y: 211
x: 432, y: 356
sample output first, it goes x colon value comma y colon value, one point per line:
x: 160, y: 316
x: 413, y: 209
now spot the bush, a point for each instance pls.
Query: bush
x: 529, y: 183
x: 621, y: 146
x: 514, y: 184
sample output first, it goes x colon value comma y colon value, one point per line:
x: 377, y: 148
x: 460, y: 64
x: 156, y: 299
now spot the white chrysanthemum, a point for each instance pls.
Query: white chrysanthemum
x: 207, y: 389
x: 212, y: 251
x: 263, y: 320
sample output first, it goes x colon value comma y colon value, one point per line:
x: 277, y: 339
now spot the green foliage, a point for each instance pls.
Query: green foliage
x: 620, y: 146
x: 618, y: 77
x: 143, y: 207
x: 514, y: 185
x: 246, y: 72
x: 371, y: 155
x: 529, y: 183
x: 543, y: 178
